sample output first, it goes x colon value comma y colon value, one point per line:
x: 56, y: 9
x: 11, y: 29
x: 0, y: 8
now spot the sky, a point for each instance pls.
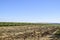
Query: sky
x: 42, y: 11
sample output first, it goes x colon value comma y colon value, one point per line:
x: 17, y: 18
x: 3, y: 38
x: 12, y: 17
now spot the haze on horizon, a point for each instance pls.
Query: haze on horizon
x: 44, y: 11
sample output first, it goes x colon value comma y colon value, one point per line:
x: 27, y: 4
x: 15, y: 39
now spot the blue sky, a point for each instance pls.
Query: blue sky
x: 46, y: 11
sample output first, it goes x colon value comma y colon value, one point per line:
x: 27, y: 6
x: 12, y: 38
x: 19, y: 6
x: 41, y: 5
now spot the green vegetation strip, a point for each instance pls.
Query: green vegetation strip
x: 22, y: 24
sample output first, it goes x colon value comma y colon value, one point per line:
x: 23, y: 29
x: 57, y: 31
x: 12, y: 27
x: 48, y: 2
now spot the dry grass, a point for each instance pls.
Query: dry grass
x: 27, y: 32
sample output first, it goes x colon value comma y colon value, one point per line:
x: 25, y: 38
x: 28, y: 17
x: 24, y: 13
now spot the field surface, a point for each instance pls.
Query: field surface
x: 29, y: 31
